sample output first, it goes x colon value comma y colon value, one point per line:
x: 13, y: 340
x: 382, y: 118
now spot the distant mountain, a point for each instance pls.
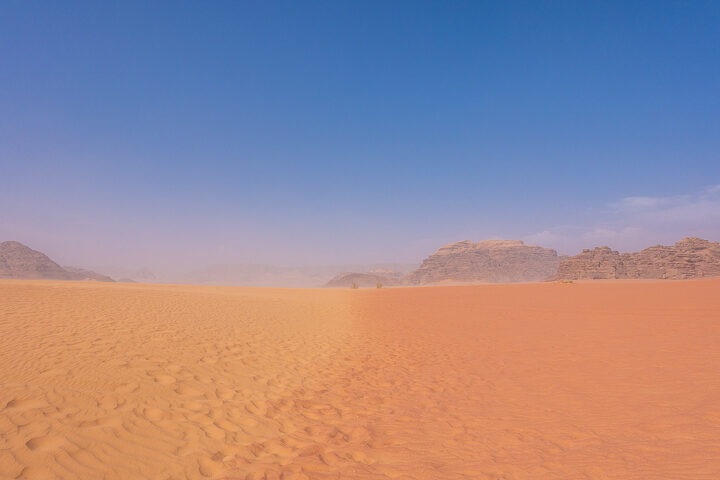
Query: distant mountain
x: 362, y: 280
x: 688, y: 258
x: 275, y: 276
x: 19, y: 261
x: 89, y: 275
x: 490, y: 261
x: 143, y: 275
x: 22, y: 262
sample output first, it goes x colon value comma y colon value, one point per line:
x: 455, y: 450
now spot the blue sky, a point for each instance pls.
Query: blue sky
x: 353, y: 132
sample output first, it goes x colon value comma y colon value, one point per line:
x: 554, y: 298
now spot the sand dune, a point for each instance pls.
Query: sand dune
x: 599, y: 380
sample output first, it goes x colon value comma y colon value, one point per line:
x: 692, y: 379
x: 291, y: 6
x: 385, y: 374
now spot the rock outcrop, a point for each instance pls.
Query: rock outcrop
x: 688, y: 258
x: 491, y: 261
x: 600, y: 262
x: 22, y: 262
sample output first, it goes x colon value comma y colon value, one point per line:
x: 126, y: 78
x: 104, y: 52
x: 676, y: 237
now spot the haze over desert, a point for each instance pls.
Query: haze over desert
x: 359, y: 240
x: 604, y: 379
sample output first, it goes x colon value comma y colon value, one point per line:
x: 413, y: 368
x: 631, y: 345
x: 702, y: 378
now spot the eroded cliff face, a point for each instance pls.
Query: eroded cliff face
x: 493, y: 261
x: 600, y: 262
x: 688, y: 258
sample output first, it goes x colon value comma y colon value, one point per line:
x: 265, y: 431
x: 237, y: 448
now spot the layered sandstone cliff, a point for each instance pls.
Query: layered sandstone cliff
x: 688, y: 258
x: 492, y: 261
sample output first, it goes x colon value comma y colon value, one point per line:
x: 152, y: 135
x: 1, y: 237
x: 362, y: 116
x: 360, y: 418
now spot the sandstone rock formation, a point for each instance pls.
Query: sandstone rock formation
x: 20, y: 261
x: 492, y: 261
x: 688, y: 258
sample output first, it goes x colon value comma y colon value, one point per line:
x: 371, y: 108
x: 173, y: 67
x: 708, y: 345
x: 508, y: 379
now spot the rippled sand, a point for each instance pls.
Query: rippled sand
x: 615, y: 380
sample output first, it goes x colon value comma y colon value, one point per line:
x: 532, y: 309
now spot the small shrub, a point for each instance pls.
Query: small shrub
x: 378, y: 285
x: 354, y: 286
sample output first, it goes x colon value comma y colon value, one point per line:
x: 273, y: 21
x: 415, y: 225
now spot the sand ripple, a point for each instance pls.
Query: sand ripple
x: 587, y: 380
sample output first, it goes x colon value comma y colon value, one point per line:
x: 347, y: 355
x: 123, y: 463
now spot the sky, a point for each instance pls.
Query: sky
x: 335, y: 132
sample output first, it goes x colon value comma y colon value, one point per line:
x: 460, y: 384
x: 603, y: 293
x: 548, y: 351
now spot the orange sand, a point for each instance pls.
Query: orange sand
x: 616, y: 380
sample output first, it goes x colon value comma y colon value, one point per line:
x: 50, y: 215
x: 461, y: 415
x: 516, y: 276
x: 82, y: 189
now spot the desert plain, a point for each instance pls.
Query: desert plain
x: 584, y: 380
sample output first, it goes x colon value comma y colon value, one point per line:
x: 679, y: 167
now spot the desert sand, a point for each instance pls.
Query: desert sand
x: 595, y: 380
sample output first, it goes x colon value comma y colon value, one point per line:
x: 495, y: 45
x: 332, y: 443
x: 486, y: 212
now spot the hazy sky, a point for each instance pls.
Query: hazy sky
x: 153, y: 133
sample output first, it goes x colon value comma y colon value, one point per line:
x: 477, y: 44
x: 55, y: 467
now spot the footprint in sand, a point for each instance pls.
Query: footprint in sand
x: 26, y: 404
x: 44, y: 443
x: 112, y: 421
x: 204, y: 379
x: 10, y: 467
x: 362, y: 457
x: 33, y: 472
x: 107, y: 403
x: 209, y: 468
x: 225, y: 393
x: 152, y: 413
x: 227, y: 426
x: 165, y: 379
x: 213, y: 431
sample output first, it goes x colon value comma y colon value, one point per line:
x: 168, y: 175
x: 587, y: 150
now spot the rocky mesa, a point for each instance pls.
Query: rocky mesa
x: 489, y: 261
x: 688, y: 258
x: 22, y: 262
